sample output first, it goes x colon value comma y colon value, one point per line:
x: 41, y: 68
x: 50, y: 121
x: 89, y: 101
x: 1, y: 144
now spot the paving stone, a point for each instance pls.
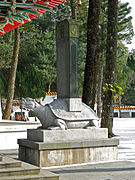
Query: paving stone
x: 43, y: 175
x: 9, y: 163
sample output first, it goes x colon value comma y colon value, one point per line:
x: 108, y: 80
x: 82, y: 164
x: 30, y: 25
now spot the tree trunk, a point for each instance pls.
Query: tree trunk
x: 73, y: 8
x: 49, y: 87
x: 101, y: 63
x: 99, y: 87
x: 119, y: 106
x: 12, y: 77
x: 0, y: 109
x: 90, y: 75
x: 111, y: 54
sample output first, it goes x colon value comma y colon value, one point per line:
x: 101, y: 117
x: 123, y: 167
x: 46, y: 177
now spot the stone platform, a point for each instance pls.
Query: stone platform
x: 13, y: 169
x: 46, y: 148
x: 49, y: 136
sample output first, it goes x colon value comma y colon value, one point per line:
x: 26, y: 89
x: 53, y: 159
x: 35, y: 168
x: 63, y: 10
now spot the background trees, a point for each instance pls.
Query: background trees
x: 36, y: 71
x: 36, y: 66
x: 6, y: 53
x: 124, y: 34
x: 130, y: 89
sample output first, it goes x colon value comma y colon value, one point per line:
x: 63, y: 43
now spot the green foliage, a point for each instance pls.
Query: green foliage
x: 129, y: 97
x: 3, y: 85
x: 131, y: 62
x: 124, y: 75
x: 37, y: 55
x: 128, y: 78
x: 125, y: 27
x: 48, y: 20
x: 125, y: 33
x: 27, y: 27
x: 82, y: 21
x: 81, y: 65
x: 6, y: 51
x: 30, y: 84
x: 47, y: 57
x: 114, y: 88
x: 36, y: 58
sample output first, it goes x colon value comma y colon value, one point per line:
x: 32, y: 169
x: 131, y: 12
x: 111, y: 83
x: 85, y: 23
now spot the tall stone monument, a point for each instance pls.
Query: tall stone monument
x: 67, y: 111
x: 75, y: 145
x: 67, y: 64
x: 67, y: 45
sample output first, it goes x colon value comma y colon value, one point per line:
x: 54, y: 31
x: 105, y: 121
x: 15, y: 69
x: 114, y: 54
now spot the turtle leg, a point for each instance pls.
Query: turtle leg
x: 58, y: 124
x: 61, y: 124
x: 92, y: 123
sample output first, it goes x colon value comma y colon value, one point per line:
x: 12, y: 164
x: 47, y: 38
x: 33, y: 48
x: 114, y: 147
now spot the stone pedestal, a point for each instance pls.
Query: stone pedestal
x: 46, y: 148
x: 48, y: 136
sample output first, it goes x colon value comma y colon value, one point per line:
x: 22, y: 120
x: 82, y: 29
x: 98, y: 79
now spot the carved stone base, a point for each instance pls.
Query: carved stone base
x: 49, y: 136
x: 47, y: 151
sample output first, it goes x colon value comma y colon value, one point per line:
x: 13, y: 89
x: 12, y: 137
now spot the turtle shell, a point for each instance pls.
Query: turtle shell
x: 59, y: 108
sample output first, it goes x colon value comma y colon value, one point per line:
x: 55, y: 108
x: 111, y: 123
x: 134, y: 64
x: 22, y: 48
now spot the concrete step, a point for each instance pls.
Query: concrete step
x: 13, y: 169
x: 9, y: 163
x: 43, y: 175
x: 25, y: 169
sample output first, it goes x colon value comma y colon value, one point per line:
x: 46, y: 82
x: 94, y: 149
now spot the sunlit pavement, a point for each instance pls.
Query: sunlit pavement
x: 117, y: 170
x: 125, y: 128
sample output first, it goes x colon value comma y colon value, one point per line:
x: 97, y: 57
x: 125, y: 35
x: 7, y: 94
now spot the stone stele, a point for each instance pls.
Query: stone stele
x: 75, y: 145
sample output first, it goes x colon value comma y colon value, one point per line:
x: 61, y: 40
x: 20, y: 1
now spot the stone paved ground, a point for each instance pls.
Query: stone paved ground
x: 122, y: 170
x: 125, y: 128
x: 119, y: 170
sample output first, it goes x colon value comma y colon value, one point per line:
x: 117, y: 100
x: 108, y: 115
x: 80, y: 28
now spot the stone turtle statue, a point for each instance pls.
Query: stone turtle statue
x: 56, y: 115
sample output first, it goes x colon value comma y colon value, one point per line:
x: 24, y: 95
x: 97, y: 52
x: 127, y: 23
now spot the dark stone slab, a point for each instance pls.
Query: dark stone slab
x: 68, y: 144
x: 66, y: 47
